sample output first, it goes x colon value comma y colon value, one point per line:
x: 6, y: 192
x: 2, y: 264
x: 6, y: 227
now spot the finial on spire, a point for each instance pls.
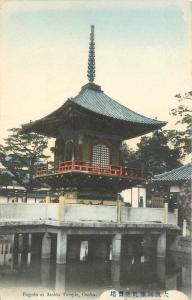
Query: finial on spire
x: 91, y: 59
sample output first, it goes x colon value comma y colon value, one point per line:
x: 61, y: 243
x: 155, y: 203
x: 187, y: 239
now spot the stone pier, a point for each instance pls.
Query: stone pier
x: 46, y: 246
x: 116, y: 247
x: 61, y: 247
x: 161, y: 245
x: 45, y: 272
x: 115, y: 273
x: 60, y: 278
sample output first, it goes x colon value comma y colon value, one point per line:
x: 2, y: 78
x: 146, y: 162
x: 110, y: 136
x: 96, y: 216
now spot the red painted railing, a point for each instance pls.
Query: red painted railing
x: 88, y: 167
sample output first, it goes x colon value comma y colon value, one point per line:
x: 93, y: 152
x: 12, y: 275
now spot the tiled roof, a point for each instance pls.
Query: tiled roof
x: 97, y: 101
x: 183, y: 173
x: 91, y: 99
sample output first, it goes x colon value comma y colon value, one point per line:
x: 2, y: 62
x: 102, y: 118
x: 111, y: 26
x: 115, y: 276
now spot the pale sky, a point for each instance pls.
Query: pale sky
x: 143, y: 54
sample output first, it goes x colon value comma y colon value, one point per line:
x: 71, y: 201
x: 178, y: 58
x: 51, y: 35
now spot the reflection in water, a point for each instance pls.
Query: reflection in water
x: 60, y: 277
x: 136, y: 275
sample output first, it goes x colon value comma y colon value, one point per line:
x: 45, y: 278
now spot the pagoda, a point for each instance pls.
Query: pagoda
x: 89, y: 130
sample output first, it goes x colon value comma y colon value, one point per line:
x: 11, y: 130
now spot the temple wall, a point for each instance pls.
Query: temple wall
x: 142, y: 215
x: 172, y: 218
x: 23, y: 211
x: 84, y: 213
x: 52, y: 211
x: 79, y: 212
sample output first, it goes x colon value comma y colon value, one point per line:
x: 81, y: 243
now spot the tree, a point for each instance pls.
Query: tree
x: 181, y: 138
x: 154, y: 154
x: 129, y: 157
x: 184, y: 204
x: 21, y: 154
x: 5, y: 179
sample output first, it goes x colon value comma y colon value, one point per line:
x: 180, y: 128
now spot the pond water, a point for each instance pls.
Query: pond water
x: 39, y: 279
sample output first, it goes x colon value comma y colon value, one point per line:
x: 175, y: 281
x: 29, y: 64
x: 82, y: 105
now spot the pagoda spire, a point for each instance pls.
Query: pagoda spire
x: 91, y: 59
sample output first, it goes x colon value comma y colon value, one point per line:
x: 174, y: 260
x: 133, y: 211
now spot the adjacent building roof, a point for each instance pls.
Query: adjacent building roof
x: 181, y: 174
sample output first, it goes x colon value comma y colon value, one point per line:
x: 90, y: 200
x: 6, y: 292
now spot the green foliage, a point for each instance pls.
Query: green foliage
x: 154, y: 154
x: 182, y: 138
x: 129, y: 157
x: 184, y: 204
x: 165, y: 148
x: 5, y: 179
x: 21, y: 153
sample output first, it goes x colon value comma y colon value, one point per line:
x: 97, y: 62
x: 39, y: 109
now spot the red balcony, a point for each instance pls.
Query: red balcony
x: 88, y: 167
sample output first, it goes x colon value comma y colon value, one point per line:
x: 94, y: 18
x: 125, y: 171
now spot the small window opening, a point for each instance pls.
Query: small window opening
x: 84, y: 251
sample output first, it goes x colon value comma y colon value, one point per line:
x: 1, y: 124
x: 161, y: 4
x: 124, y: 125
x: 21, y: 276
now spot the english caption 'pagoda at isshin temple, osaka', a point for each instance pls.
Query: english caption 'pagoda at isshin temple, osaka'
x: 88, y: 174
x: 89, y: 130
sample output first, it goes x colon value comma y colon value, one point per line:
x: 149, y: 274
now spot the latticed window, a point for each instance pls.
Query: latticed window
x: 101, y: 155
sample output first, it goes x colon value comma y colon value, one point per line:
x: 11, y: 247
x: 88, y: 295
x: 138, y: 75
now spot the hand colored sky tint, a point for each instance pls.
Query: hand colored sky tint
x: 135, y: 26
x: 142, y: 55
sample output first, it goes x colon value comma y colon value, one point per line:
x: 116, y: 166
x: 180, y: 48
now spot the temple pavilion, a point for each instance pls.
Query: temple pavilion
x: 89, y: 130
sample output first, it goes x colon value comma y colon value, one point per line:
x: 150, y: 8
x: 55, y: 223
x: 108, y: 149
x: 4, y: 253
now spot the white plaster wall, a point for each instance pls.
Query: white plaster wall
x: 172, y: 219
x: 175, y: 189
x: 140, y: 215
x: 52, y: 210
x: 82, y: 212
x: 3, y: 199
x: 133, y: 196
x: 22, y: 211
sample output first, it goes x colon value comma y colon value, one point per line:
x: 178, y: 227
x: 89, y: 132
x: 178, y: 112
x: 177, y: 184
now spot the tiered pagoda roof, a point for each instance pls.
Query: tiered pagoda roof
x: 93, y: 111
x: 93, y: 102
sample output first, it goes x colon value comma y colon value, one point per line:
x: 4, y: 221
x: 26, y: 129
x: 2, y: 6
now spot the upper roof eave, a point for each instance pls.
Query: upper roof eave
x: 147, y: 123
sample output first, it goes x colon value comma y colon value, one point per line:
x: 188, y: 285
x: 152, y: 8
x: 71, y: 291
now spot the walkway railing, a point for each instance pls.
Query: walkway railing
x: 88, y: 167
